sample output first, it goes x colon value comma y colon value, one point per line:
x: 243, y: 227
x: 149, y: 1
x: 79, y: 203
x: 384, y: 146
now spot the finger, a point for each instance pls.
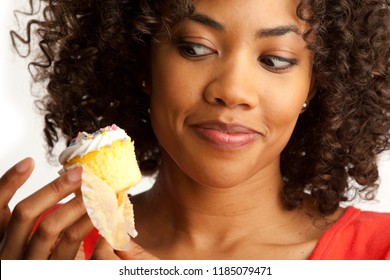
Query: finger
x: 5, y: 215
x: 69, y: 244
x: 136, y: 252
x: 13, y: 179
x: 103, y: 251
x: 53, y: 227
x: 27, y: 211
x: 10, y: 182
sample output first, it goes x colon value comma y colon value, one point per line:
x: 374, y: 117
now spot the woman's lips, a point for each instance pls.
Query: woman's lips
x: 226, y: 137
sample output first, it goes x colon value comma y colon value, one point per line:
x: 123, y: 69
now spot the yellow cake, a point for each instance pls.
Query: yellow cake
x: 109, y: 169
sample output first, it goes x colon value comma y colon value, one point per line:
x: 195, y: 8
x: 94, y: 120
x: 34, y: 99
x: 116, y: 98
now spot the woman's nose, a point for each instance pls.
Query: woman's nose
x: 232, y: 86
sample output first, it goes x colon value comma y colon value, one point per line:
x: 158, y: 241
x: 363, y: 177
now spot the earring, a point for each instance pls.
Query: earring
x: 304, y: 106
x: 143, y: 84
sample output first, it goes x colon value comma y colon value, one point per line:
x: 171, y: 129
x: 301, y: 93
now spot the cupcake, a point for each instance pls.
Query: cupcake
x: 109, y: 169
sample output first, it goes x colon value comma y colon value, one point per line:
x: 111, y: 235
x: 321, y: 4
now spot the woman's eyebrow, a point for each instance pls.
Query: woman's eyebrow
x: 278, y: 31
x: 261, y: 33
x: 208, y: 21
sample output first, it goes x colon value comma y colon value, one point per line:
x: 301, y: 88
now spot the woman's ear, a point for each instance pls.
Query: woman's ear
x: 312, y: 90
x: 310, y: 95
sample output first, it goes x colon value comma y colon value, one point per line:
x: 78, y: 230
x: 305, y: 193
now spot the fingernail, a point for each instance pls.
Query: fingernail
x: 22, y: 166
x: 74, y: 175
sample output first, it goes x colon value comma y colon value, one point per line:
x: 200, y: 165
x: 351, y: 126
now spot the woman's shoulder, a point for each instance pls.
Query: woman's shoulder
x: 358, y: 234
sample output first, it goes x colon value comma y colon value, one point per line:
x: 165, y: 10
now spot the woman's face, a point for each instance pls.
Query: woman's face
x: 227, y: 90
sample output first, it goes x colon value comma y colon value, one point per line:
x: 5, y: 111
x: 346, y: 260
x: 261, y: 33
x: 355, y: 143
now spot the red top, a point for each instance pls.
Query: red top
x: 357, y: 235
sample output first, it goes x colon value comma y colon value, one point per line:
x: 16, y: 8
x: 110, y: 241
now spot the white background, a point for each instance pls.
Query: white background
x: 21, y: 125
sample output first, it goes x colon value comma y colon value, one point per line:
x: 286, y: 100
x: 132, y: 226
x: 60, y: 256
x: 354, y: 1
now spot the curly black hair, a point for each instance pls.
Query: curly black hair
x: 94, y: 54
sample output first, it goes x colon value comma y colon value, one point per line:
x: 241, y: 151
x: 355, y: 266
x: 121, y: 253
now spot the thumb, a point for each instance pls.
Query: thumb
x: 135, y: 252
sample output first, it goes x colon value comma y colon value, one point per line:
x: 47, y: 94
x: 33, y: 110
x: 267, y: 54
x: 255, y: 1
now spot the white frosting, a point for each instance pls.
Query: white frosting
x: 85, y: 143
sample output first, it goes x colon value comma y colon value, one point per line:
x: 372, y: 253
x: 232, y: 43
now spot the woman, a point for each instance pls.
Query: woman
x: 257, y: 117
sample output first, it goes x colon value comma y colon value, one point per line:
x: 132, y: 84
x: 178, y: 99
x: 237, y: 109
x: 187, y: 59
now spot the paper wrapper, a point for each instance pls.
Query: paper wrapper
x: 111, y: 213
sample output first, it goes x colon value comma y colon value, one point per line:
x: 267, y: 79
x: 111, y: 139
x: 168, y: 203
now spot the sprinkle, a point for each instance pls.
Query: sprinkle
x: 83, y: 136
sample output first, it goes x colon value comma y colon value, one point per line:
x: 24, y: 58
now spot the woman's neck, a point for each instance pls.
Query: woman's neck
x: 180, y: 218
x: 259, y: 192
x: 185, y: 207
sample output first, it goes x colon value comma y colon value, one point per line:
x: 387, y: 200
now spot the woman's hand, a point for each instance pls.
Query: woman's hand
x: 103, y: 251
x: 58, y: 236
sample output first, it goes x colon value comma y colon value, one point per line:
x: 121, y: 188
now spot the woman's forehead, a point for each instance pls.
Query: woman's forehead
x: 260, y: 13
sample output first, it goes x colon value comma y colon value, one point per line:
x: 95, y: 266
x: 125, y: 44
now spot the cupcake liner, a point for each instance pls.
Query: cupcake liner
x: 111, y: 213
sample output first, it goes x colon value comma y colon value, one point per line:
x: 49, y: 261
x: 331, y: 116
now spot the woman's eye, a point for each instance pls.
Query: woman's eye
x: 277, y: 63
x: 194, y: 49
